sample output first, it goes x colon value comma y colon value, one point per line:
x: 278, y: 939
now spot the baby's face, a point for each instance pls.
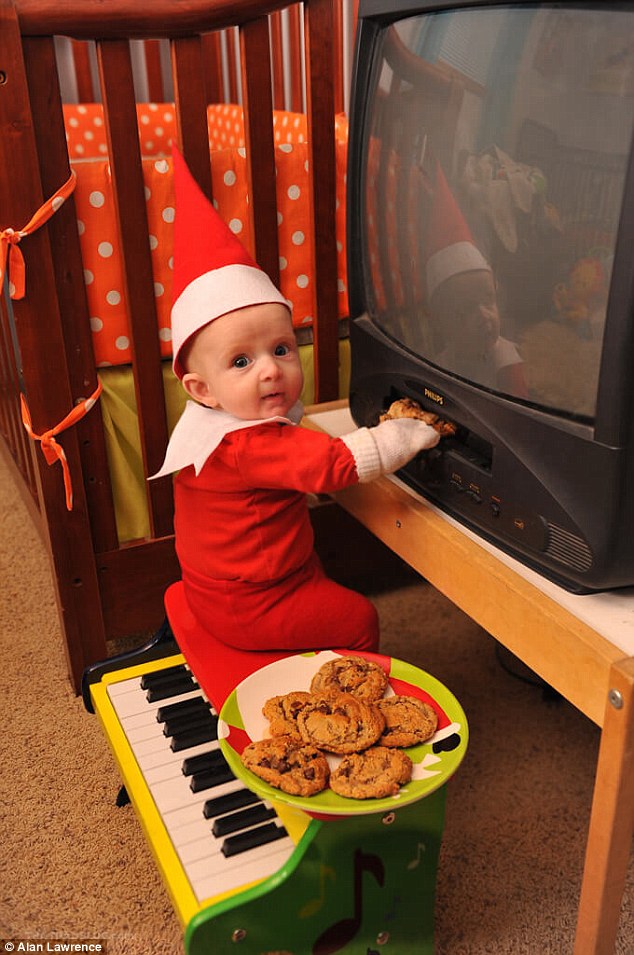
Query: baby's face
x: 466, y: 305
x: 246, y: 363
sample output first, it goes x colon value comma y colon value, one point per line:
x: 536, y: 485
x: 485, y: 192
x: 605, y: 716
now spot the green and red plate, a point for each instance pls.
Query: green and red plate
x: 241, y: 721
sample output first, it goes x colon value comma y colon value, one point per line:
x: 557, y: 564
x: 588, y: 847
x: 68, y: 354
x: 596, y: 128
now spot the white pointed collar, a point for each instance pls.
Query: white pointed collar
x: 200, y: 430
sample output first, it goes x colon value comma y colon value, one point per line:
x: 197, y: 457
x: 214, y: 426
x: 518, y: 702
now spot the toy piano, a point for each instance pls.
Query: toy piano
x: 249, y: 868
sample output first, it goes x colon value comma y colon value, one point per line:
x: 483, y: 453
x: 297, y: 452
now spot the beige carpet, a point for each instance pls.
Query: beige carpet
x: 75, y: 866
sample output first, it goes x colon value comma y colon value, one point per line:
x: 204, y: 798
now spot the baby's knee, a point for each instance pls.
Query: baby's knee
x: 366, y: 631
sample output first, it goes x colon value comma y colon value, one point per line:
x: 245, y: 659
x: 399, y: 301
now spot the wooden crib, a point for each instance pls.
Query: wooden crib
x: 107, y: 588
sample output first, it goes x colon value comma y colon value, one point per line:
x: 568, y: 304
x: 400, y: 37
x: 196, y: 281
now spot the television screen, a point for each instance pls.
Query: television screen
x: 491, y: 278
x: 497, y: 146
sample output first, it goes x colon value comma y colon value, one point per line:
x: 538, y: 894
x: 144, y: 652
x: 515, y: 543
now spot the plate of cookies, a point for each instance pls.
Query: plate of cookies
x: 340, y: 734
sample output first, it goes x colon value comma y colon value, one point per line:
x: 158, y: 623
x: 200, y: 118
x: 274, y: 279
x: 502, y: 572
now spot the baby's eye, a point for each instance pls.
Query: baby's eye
x: 240, y: 362
x: 281, y: 350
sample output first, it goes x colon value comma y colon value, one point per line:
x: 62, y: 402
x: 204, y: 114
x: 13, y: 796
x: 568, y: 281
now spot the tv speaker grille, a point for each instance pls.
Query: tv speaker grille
x: 568, y: 549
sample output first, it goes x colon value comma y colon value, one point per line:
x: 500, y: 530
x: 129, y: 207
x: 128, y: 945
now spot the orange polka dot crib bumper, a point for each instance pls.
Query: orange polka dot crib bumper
x: 97, y: 222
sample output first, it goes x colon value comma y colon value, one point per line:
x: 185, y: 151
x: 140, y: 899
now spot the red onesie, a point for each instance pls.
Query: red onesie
x: 245, y: 543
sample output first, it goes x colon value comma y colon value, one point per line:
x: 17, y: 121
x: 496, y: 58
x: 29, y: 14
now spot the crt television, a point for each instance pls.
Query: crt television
x: 491, y: 265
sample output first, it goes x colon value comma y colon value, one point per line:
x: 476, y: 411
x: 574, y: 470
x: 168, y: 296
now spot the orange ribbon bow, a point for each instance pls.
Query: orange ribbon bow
x: 10, y: 239
x: 51, y: 449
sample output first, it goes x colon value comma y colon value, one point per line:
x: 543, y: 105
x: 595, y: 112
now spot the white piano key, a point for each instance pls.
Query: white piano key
x: 198, y: 829
x: 123, y: 687
x: 152, y: 745
x: 146, y: 718
x: 178, y: 817
x: 159, y: 757
x: 216, y: 863
x: 222, y: 875
x: 207, y: 845
x: 199, y: 849
x: 173, y: 767
x: 145, y: 731
x: 134, y: 701
x: 175, y: 794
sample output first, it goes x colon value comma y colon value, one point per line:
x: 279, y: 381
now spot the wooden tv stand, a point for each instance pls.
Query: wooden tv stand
x: 583, y: 646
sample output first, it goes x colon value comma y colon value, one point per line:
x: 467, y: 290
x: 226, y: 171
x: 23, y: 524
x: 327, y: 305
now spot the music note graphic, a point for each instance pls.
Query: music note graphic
x: 337, y: 936
x: 314, y: 905
x: 420, y: 848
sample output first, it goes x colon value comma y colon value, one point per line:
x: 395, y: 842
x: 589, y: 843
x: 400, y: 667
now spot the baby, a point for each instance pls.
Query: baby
x: 462, y: 298
x: 243, y: 533
x: 465, y: 307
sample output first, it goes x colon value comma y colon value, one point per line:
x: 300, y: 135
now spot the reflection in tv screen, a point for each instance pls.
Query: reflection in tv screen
x: 496, y: 157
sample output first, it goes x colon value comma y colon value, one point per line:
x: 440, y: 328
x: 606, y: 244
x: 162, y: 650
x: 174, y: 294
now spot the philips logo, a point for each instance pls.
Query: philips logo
x: 434, y: 396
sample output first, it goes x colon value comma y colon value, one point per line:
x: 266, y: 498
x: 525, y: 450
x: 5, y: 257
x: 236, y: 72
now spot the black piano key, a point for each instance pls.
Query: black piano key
x: 176, y: 725
x: 202, y: 761
x: 211, y: 777
x: 242, y: 820
x: 159, y: 676
x: 183, y: 706
x: 235, y: 800
x: 251, y: 839
x: 182, y: 676
x: 163, y: 691
x: 193, y: 737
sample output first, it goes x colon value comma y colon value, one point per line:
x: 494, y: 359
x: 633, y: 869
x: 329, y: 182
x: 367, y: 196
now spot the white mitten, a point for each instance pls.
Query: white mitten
x: 389, y: 446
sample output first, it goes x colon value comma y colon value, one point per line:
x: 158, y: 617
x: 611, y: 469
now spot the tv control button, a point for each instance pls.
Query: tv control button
x: 495, y: 508
x: 475, y: 497
x: 531, y: 530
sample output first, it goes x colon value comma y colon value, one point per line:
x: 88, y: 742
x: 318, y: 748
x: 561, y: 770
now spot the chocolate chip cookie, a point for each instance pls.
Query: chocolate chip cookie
x: 362, y: 678
x: 373, y: 774
x: 288, y: 764
x: 340, y: 723
x: 407, y: 408
x: 408, y: 721
x: 282, y: 712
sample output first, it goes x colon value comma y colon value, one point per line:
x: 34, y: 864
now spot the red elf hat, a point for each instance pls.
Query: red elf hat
x: 451, y: 245
x: 213, y: 272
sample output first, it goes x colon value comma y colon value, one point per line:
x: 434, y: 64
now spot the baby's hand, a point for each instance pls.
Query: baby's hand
x: 389, y: 446
x: 401, y: 439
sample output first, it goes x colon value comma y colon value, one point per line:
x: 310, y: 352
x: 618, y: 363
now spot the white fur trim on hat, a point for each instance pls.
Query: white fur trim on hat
x: 452, y: 260
x: 216, y: 293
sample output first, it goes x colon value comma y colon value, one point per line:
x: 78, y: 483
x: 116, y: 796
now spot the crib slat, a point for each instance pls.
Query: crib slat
x: 46, y: 104
x: 191, y: 108
x: 9, y: 387
x: 10, y: 422
x: 83, y: 74
x: 212, y: 67
x: 295, y: 58
x: 154, y: 71
x: 115, y: 71
x: 258, y: 108
x: 232, y: 64
x: 338, y: 55
x: 318, y: 32
x: 277, y: 54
